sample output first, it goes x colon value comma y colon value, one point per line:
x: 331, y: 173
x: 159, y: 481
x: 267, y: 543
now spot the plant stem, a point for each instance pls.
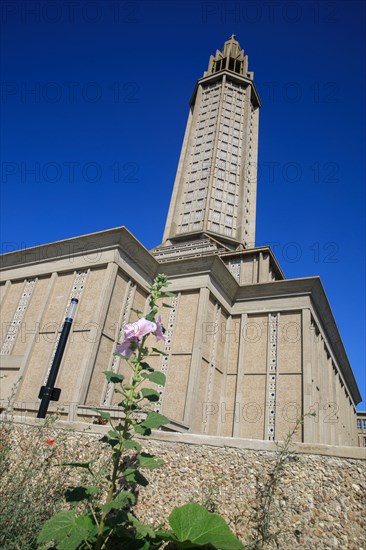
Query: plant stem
x: 123, y: 436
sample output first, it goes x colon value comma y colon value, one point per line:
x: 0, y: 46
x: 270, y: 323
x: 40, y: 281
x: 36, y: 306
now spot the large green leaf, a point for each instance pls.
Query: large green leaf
x: 131, y: 444
x: 122, y: 499
x: 113, y: 434
x: 194, y: 524
x: 142, y: 430
x: 113, y: 377
x: 149, y: 461
x: 80, y: 493
x: 112, y: 441
x: 142, y: 530
x: 150, y: 394
x: 157, y: 377
x: 146, y: 366
x: 151, y: 316
x: 155, y: 420
x: 134, y: 476
x: 132, y: 543
x: 67, y: 530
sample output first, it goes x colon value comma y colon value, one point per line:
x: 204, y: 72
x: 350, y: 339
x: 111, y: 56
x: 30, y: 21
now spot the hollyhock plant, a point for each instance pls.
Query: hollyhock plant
x: 134, y: 333
x: 107, y: 520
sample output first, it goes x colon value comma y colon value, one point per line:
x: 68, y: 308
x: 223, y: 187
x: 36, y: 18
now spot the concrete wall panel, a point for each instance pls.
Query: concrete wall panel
x: 252, y: 409
x: 176, y: 387
x: 289, y: 343
x: 288, y: 406
x: 30, y: 324
x: 185, y: 323
x: 255, y: 334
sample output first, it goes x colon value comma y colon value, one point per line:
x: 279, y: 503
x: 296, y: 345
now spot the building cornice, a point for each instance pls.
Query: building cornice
x: 91, y: 250
x: 230, y: 76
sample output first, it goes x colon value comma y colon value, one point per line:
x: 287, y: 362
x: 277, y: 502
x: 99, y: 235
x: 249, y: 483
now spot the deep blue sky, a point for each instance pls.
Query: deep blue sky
x: 104, y: 125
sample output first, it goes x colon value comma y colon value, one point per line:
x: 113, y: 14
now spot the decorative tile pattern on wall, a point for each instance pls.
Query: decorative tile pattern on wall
x: 18, y: 317
x: 168, y: 345
x: 272, y: 374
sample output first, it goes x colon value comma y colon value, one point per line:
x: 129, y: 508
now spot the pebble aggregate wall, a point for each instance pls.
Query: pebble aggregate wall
x: 321, y: 500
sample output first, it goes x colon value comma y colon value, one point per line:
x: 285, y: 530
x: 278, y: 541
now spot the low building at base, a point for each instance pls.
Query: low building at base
x: 247, y: 350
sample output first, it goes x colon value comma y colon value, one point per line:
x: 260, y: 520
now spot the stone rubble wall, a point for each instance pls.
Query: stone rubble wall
x: 321, y: 500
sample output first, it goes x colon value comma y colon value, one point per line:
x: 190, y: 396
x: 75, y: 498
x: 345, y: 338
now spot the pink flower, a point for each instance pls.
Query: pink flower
x: 139, y: 329
x: 159, y: 330
x: 50, y: 441
x: 134, y: 333
x: 128, y: 346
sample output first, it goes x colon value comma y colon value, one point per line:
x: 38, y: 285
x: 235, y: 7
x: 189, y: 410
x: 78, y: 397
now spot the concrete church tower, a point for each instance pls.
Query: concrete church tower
x: 247, y: 350
x: 215, y: 187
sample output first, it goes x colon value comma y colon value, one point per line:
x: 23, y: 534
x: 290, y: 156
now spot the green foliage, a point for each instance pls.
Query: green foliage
x: 68, y: 531
x: 124, y: 498
x: 81, y: 493
x: 156, y: 377
x: 193, y: 527
x: 113, y: 377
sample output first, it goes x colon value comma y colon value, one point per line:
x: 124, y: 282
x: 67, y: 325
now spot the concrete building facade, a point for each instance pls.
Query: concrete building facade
x: 247, y: 351
x: 361, y: 428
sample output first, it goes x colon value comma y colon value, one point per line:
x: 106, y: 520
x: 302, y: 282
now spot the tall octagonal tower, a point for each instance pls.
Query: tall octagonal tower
x: 215, y: 187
